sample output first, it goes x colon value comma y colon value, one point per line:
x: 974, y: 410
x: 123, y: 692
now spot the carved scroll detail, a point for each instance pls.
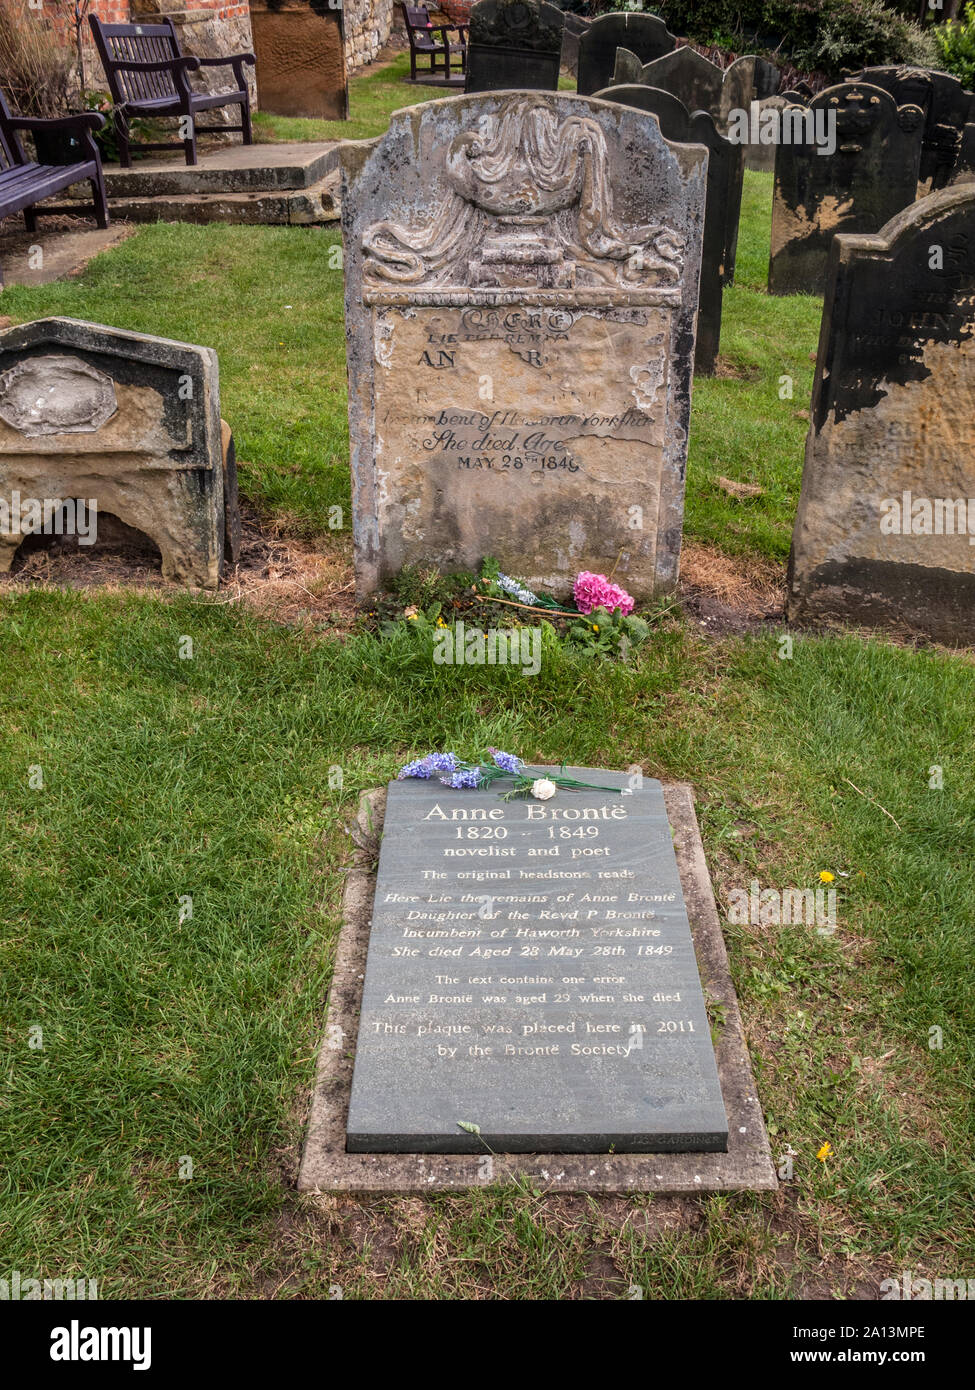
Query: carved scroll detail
x: 529, y: 203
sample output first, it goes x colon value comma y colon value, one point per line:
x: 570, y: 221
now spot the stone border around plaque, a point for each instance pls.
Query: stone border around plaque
x: 327, y: 1167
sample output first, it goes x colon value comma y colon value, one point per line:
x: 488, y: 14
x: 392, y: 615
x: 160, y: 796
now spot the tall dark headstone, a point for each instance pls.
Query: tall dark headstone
x: 885, y: 530
x: 646, y: 35
x: 946, y: 106
x: 964, y: 170
x: 767, y: 78
x: 693, y: 79
x: 870, y: 175
x: 726, y: 163
x: 531, y: 984
x: 514, y: 44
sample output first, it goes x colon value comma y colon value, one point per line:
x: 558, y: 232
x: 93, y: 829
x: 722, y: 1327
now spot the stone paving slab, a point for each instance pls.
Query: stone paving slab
x: 301, y: 207
x: 327, y: 1167
x: 231, y: 169
x: 64, y: 253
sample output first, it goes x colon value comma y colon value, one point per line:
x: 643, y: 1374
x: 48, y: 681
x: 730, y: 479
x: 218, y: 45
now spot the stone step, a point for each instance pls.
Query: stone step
x: 287, y: 207
x: 229, y: 169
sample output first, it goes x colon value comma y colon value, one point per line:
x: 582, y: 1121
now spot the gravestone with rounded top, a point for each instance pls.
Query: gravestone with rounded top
x: 885, y: 531
x: 855, y: 181
x: 646, y: 35
x: 514, y: 44
x: 521, y: 292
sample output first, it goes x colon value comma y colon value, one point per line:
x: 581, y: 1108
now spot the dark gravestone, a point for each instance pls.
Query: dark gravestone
x: 531, y: 971
x: 575, y: 26
x: 965, y: 164
x: 514, y: 44
x: 726, y: 164
x: 646, y: 35
x: 870, y: 176
x: 700, y: 84
x: 946, y: 106
x: 767, y: 78
x: 886, y: 516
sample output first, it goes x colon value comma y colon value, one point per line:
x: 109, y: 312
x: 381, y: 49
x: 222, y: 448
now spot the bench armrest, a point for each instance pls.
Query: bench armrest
x: 85, y: 120
x: 235, y: 61
x: 232, y: 61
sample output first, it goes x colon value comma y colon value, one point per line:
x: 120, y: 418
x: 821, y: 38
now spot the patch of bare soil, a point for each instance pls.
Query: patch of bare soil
x: 295, y: 582
x: 730, y: 594
x: 67, y: 243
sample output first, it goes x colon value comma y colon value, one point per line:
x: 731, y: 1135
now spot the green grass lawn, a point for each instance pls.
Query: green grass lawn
x: 165, y: 1040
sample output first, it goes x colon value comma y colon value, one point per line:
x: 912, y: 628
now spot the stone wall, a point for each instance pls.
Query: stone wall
x: 367, y: 26
x: 301, y: 68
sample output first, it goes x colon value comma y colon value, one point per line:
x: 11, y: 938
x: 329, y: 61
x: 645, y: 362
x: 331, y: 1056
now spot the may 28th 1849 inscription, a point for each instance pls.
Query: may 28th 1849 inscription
x: 531, y: 972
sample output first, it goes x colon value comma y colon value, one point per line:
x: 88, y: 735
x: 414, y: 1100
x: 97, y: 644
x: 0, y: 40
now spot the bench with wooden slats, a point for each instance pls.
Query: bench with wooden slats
x: 148, y: 76
x: 24, y: 182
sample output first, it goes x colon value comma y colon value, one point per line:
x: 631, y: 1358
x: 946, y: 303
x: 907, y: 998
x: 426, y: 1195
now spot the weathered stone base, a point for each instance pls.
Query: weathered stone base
x: 126, y: 422
x: 327, y: 1167
x: 913, y: 600
x: 306, y: 207
x: 259, y: 185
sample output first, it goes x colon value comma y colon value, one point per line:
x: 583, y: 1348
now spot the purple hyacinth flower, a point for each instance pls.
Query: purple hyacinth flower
x: 467, y: 777
x: 419, y: 768
x: 441, y: 762
x: 507, y: 762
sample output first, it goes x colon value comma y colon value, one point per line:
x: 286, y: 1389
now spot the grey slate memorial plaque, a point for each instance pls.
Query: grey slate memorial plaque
x: 531, y: 972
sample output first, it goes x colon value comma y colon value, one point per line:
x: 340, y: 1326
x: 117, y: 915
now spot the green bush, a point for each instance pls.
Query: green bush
x: 956, y: 45
x: 814, y: 35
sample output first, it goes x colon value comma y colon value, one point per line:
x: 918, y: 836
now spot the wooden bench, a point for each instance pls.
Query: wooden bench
x: 148, y: 76
x: 420, y: 31
x: 24, y: 182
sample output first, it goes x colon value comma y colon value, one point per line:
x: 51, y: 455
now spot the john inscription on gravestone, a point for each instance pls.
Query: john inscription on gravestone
x: 521, y: 288
x: 531, y: 972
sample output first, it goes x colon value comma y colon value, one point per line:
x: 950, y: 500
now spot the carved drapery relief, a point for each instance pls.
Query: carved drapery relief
x: 530, y: 203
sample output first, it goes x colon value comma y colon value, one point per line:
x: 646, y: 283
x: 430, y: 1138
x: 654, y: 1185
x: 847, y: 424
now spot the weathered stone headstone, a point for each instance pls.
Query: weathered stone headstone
x: 760, y: 155
x: 573, y: 29
x: 885, y: 531
x: 870, y: 175
x: 700, y: 84
x: 645, y: 35
x: 300, y: 51
x: 964, y: 170
x: 531, y: 972
x: 725, y: 173
x: 946, y: 107
x: 514, y: 44
x: 126, y: 421
x: 521, y: 289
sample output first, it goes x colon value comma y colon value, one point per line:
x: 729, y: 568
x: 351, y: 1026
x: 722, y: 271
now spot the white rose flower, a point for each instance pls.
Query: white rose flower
x: 543, y: 789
